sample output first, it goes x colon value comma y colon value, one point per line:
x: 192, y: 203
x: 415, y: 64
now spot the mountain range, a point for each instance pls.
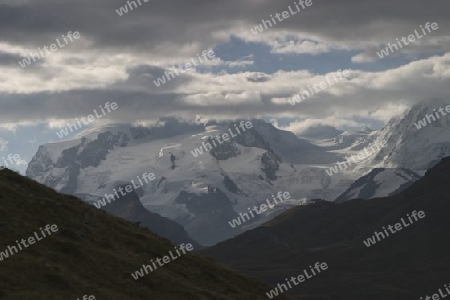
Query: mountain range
x: 203, y: 192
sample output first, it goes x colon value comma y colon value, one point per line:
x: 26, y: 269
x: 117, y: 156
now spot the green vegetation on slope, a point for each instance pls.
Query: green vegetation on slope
x: 94, y: 253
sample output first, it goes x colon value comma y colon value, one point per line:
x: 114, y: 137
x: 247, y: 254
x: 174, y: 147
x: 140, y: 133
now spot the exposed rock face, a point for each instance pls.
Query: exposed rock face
x: 230, y: 185
x: 225, y: 150
x: 88, y: 153
x: 270, y: 165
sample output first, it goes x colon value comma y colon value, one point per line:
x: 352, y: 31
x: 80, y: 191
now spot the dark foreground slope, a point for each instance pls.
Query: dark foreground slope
x: 94, y: 253
x: 409, y: 264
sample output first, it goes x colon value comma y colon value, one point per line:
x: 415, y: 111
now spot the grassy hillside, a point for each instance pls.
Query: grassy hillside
x: 409, y: 264
x: 94, y: 253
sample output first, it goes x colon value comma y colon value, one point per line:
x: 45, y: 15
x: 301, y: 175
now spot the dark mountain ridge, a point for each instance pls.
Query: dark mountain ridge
x: 411, y: 263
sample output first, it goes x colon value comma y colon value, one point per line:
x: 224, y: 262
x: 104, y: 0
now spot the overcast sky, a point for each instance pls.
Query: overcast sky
x: 116, y: 58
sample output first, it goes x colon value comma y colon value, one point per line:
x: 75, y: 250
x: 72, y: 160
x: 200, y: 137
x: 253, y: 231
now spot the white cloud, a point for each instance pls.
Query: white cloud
x: 288, y: 45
